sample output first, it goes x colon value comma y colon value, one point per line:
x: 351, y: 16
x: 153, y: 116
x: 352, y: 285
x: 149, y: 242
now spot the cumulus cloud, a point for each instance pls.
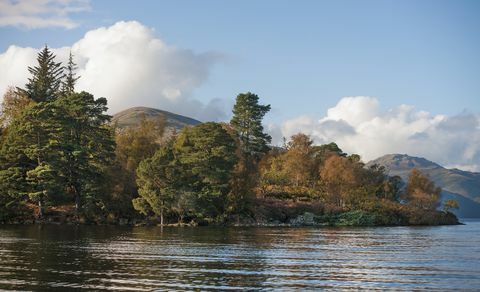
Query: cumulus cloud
x: 40, y: 13
x: 130, y: 66
x: 358, y: 125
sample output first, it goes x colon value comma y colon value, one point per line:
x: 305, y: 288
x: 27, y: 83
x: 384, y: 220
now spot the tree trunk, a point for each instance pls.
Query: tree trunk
x: 161, y: 217
x: 40, y: 208
x: 77, y: 201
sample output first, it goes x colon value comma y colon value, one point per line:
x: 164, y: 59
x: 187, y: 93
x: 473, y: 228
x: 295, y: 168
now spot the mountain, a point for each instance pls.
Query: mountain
x: 464, y: 186
x: 132, y: 117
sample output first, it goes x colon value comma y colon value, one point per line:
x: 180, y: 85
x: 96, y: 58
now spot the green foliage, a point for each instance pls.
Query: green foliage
x: 84, y: 143
x: 70, y: 78
x: 57, y: 148
x: 252, y: 145
x: 156, y: 178
x: 206, y: 154
x: 247, y: 121
x: 191, y: 177
x: 44, y: 85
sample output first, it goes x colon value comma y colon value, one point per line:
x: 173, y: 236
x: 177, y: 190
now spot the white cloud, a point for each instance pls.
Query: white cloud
x: 358, y: 125
x: 40, y: 13
x: 130, y: 66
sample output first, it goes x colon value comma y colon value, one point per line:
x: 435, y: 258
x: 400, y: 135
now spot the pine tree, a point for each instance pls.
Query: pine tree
x: 85, y: 145
x: 70, y: 78
x: 156, y: 179
x: 253, y: 144
x: 247, y: 121
x: 44, y: 85
x: 206, y: 154
x: 28, y: 151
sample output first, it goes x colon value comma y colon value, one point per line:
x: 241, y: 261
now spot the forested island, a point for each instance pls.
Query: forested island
x: 62, y: 160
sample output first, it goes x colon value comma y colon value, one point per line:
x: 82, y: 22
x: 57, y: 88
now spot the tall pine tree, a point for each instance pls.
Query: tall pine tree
x: 253, y: 144
x: 247, y: 121
x: 46, y: 80
x: 70, y: 78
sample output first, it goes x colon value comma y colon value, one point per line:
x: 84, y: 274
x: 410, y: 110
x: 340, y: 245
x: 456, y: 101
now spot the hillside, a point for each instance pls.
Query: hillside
x: 132, y: 117
x: 461, y: 185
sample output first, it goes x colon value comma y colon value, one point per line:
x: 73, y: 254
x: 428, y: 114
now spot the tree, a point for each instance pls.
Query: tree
x: 450, y: 204
x: 421, y: 192
x: 70, y: 78
x: 137, y: 143
x: 206, y: 155
x: 28, y: 150
x: 247, y: 121
x: 191, y: 176
x: 252, y: 144
x: 84, y: 142
x: 341, y: 177
x: 156, y: 180
x: 46, y: 79
x: 12, y: 106
x: 299, y: 160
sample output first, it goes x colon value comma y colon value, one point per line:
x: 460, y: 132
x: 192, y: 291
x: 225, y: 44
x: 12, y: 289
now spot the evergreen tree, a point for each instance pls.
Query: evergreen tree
x: 156, y: 179
x: 85, y: 144
x: 206, y: 154
x: 253, y: 144
x: 27, y: 151
x: 70, y: 78
x: 247, y: 121
x: 46, y: 79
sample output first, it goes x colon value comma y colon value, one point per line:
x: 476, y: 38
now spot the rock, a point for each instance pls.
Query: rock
x: 307, y: 219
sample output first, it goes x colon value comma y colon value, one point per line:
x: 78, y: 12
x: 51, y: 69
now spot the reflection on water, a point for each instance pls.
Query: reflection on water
x: 148, y: 258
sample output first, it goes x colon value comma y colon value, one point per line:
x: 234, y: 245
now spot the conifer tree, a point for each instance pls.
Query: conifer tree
x: 46, y: 79
x: 253, y: 144
x: 85, y: 144
x: 247, y: 121
x: 70, y: 78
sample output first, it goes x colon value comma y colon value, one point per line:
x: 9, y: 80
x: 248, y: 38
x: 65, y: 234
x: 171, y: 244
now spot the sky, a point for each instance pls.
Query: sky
x: 377, y: 77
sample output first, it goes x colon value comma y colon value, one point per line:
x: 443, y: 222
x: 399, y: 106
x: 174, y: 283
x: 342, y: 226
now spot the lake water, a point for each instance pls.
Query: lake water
x: 205, y: 258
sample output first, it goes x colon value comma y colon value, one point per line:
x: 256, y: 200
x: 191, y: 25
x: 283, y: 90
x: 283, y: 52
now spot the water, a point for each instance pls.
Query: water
x: 147, y: 258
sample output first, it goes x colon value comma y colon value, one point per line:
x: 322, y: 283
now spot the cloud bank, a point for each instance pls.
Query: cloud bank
x: 358, y: 125
x: 130, y: 66
x: 40, y: 13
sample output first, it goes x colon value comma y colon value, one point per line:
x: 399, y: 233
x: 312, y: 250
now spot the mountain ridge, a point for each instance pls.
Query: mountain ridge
x: 464, y: 186
x: 132, y: 117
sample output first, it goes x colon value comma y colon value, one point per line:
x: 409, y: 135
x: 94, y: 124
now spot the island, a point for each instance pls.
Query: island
x: 64, y: 160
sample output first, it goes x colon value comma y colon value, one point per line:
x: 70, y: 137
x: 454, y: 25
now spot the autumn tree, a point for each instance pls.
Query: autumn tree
x: 12, y: 106
x: 450, y: 204
x: 299, y: 160
x: 341, y: 177
x: 137, y: 143
x: 421, y: 192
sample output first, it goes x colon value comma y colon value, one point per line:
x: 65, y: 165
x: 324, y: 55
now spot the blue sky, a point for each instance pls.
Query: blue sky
x: 303, y: 57
x: 424, y: 53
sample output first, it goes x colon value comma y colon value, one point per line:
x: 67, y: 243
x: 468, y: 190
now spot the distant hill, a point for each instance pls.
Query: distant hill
x: 461, y: 185
x: 131, y: 117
